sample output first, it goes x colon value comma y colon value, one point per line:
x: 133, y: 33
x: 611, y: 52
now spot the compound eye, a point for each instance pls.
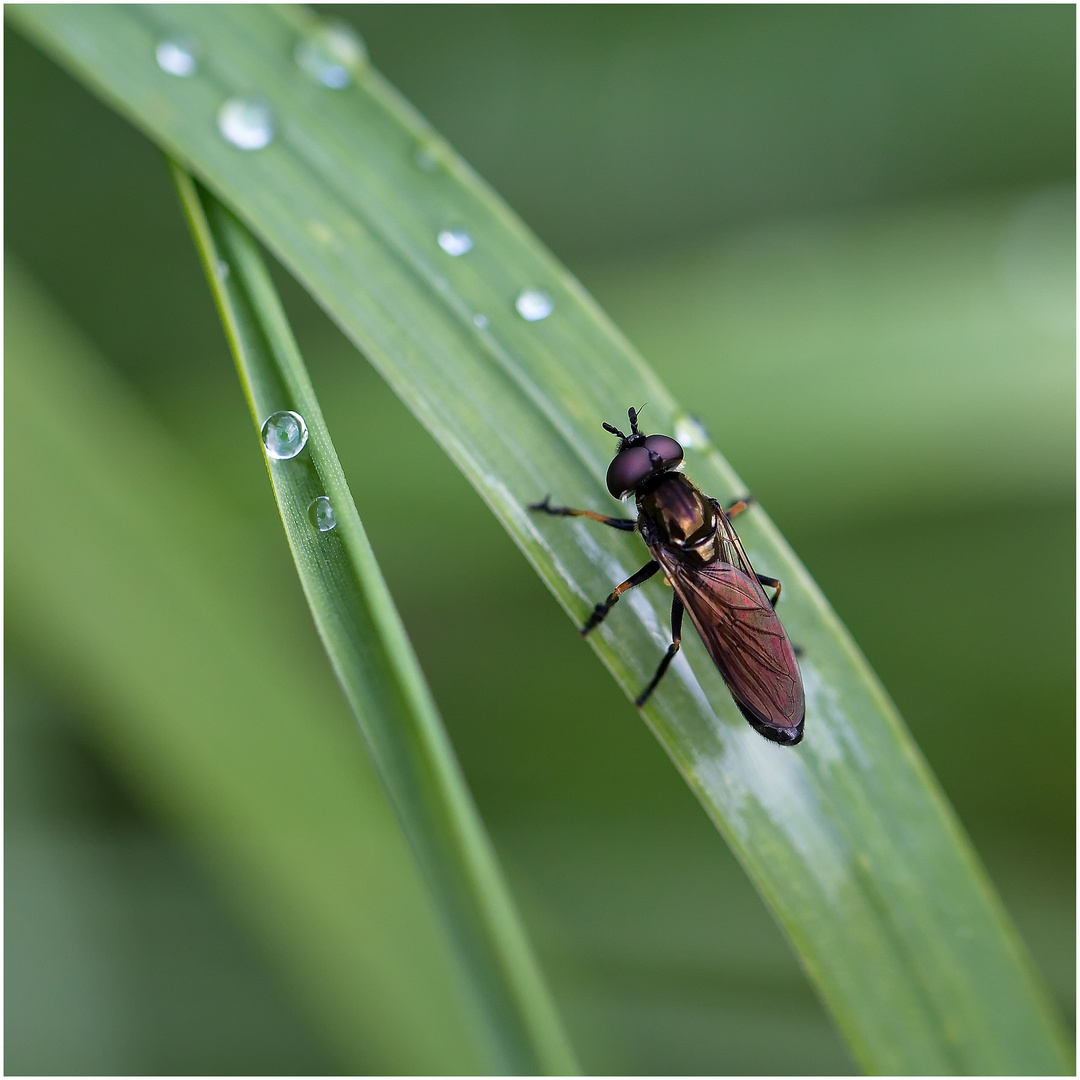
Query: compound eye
x: 666, y: 447
x: 627, y: 469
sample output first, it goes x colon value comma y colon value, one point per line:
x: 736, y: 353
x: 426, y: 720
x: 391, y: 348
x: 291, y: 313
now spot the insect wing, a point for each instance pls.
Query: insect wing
x: 746, y: 641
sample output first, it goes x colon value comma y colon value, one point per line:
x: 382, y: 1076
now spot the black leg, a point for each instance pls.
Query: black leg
x: 770, y: 583
x: 601, y: 610
x: 676, y: 635
x: 564, y: 511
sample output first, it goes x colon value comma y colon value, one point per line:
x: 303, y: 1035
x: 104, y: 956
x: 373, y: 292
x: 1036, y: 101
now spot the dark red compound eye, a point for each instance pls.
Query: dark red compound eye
x: 627, y: 469
x: 632, y: 466
x: 666, y: 447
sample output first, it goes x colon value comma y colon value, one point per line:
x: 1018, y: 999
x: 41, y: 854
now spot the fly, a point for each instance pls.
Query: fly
x: 694, y: 545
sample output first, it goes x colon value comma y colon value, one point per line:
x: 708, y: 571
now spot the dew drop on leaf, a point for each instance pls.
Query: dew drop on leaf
x: 534, y: 304
x: 247, y: 123
x: 331, y: 55
x: 284, y: 435
x: 321, y: 514
x: 427, y: 157
x: 691, y: 432
x: 177, y: 57
x: 455, y: 241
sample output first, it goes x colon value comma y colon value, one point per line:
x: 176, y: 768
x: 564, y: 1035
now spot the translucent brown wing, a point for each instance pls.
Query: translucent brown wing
x: 743, y: 636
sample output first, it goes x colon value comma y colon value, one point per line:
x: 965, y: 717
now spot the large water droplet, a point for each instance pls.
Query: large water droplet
x: 455, y: 241
x: 691, y: 432
x: 534, y: 304
x: 480, y: 320
x: 427, y: 157
x: 284, y: 435
x: 177, y: 56
x: 246, y: 122
x: 332, y: 55
x: 321, y: 514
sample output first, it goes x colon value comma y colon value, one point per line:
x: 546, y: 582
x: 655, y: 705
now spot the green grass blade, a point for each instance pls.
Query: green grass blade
x: 374, y: 662
x: 155, y: 609
x: 847, y: 837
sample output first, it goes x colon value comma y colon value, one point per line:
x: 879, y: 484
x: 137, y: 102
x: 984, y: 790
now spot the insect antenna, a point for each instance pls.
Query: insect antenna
x: 614, y: 431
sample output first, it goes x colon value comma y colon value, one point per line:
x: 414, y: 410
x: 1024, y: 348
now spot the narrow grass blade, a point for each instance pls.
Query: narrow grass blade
x: 371, y: 655
x: 507, y: 361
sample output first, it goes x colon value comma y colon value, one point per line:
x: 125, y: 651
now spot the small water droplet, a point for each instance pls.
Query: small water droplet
x: 321, y: 514
x: 332, y: 55
x: 223, y: 269
x: 177, y: 56
x: 534, y: 304
x: 427, y: 157
x: 246, y: 122
x: 284, y: 435
x: 691, y: 432
x: 480, y: 320
x: 455, y: 241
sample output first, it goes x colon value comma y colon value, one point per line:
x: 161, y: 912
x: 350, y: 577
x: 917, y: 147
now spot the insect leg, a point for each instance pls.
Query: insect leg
x: 739, y: 506
x: 601, y: 610
x: 676, y: 635
x: 770, y: 583
x: 626, y: 524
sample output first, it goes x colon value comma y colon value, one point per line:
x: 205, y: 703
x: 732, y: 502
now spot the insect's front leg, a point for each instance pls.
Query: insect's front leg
x: 601, y: 610
x: 545, y: 507
x: 677, y: 610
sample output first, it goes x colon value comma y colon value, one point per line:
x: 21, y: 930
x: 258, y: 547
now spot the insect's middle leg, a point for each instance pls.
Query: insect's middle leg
x: 770, y: 583
x: 601, y: 610
x: 676, y: 643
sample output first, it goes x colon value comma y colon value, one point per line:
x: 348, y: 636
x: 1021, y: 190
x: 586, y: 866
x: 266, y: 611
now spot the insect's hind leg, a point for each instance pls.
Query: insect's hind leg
x: 601, y: 609
x: 770, y: 583
x: 677, y: 610
x: 545, y: 507
x: 739, y: 506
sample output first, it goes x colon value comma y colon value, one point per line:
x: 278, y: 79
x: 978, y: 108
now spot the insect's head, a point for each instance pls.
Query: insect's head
x: 639, y: 457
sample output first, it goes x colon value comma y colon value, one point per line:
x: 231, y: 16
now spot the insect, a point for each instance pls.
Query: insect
x: 692, y: 542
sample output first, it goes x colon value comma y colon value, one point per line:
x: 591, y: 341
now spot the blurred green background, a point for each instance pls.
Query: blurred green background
x: 845, y: 236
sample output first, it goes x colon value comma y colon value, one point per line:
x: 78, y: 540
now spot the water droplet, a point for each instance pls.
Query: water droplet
x: 691, y: 432
x: 427, y: 157
x: 480, y: 320
x: 177, y: 56
x: 534, y: 304
x: 321, y: 514
x: 455, y: 241
x: 332, y: 55
x: 246, y: 122
x: 284, y: 435
x: 223, y: 269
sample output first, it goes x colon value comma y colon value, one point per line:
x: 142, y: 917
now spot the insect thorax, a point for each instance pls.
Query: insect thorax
x: 674, y: 512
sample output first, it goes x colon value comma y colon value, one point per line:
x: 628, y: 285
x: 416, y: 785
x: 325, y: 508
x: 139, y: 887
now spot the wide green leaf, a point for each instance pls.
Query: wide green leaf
x: 847, y: 837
